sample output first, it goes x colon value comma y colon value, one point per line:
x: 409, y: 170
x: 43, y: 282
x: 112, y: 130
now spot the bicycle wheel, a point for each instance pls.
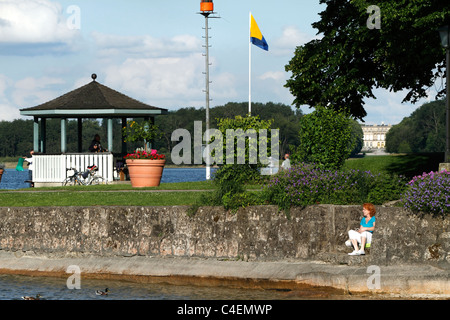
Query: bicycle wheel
x: 97, y: 180
x: 69, y: 181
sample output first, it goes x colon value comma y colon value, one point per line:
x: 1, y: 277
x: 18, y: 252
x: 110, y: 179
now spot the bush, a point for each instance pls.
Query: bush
x: 230, y: 181
x: 307, y: 184
x: 325, y: 138
x: 234, y: 201
x: 429, y: 193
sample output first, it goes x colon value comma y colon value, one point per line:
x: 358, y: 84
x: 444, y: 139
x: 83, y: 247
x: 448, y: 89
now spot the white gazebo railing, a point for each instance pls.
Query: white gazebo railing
x: 52, y: 169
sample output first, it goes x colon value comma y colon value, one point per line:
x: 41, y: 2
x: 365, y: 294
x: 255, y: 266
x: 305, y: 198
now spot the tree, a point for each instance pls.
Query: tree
x: 239, y: 166
x: 325, y: 138
x: 283, y: 117
x: 241, y: 152
x: 341, y: 69
x: 357, y: 138
x: 143, y: 132
x: 422, y: 131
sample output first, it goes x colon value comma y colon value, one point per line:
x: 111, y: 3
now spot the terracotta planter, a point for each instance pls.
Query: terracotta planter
x: 1, y: 174
x: 145, y: 172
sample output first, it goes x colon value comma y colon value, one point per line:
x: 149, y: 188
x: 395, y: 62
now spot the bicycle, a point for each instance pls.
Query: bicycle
x: 91, y: 178
x: 74, y: 179
x: 85, y: 178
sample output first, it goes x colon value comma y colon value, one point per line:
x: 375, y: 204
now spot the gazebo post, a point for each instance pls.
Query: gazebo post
x: 36, y: 134
x: 110, y: 135
x: 43, y: 140
x: 80, y: 135
x: 63, y: 135
x: 124, y: 144
x: 152, y: 121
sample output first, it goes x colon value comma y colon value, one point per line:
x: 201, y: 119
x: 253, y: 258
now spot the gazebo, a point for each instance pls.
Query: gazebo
x: 92, y: 100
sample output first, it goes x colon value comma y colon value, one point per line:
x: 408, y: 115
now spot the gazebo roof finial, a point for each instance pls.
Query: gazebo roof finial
x: 94, y: 76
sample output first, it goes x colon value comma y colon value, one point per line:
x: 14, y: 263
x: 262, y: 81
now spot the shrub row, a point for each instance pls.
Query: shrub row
x: 307, y: 184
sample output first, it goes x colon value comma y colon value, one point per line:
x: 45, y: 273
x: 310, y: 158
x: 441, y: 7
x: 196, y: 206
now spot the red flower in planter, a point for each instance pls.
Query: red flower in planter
x: 138, y: 154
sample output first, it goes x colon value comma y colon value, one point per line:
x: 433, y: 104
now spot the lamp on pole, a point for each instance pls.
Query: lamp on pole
x: 445, y: 42
x: 207, y: 8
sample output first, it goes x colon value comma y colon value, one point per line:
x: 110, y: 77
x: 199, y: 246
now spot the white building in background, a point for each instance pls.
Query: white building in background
x: 375, y: 136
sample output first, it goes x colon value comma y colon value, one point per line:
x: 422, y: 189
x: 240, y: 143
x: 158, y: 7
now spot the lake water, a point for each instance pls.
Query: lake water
x: 13, y: 179
x: 13, y: 287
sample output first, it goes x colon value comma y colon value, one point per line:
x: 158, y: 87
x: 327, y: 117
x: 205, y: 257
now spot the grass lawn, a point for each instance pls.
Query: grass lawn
x: 167, y: 194
x: 407, y: 165
x: 107, y: 195
x: 99, y: 198
x: 197, y: 185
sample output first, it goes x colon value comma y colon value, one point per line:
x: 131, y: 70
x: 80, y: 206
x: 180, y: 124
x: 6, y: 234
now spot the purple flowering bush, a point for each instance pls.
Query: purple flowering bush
x: 307, y: 184
x: 429, y: 192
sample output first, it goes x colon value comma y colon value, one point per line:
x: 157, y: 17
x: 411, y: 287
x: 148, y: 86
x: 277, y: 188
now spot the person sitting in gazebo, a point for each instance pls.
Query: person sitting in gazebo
x: 96, y: 146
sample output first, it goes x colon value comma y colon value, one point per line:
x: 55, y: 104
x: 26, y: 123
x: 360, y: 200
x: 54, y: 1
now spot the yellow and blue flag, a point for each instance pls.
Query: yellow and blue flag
x: 256, y: 36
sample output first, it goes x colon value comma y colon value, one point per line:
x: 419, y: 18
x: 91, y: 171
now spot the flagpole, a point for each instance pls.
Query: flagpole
x: 250, y: 67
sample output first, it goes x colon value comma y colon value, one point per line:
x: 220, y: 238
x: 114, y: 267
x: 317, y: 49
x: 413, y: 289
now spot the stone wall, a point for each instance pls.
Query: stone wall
x: 255, y: 233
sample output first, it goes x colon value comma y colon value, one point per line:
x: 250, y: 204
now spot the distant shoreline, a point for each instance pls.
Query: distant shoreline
x: 12, y: 165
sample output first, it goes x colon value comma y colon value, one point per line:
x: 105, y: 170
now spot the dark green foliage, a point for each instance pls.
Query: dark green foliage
x: 230, y: 189
x: 357, y: 138
x: 422, y: 131
x: 325, y: 138
x: 341, y: 69
x: 231, y: 177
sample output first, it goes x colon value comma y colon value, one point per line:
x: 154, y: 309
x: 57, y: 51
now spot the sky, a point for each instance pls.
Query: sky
x: 153, y: 51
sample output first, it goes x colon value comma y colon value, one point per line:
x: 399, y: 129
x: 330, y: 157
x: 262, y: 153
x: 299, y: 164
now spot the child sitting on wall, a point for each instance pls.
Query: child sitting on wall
x: 363, y: 234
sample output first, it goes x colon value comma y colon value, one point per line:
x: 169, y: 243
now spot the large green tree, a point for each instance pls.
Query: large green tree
x: 422, y: 131
x: 351, y: 58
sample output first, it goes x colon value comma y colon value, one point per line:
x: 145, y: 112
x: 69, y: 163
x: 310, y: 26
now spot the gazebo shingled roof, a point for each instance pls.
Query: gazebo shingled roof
x: 92, y: 100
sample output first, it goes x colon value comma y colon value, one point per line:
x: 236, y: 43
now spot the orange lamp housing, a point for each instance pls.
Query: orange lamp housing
x: 206, y: 5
